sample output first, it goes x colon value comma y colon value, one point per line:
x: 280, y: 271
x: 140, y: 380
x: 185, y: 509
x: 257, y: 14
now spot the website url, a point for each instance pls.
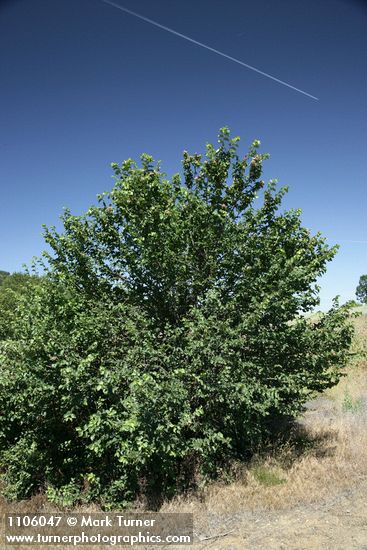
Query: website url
x: 111, y: 540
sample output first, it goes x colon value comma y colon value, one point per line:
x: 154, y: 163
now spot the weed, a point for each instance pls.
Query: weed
x: 267, y: 476
x: 351, y: 405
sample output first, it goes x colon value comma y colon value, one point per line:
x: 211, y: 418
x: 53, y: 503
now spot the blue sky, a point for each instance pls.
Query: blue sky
x: 84, y: 84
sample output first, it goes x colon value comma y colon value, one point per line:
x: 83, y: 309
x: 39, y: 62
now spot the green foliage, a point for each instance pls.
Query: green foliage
x: 361, y: 290
x: 3, y: 275
x: 354, y: 406
x: 268, y: 476
x: 353, y: 304
x: 166, y: 333
x: 14, y: 289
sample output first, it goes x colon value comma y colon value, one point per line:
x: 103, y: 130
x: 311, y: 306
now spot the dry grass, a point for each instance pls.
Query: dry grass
x: 284, y: 479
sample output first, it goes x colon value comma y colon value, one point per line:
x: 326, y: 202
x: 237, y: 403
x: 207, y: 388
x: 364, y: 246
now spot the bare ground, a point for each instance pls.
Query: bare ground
x: 335, y: 523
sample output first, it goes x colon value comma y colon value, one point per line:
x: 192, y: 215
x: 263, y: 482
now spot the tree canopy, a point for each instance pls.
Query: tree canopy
x: 167, y: 331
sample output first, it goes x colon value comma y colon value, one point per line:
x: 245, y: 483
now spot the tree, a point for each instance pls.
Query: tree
x: 361, y: 290
x: 168, y: 330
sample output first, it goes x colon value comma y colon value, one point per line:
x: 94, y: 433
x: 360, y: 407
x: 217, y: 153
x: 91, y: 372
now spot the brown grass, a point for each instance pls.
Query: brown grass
x: 284, y: 479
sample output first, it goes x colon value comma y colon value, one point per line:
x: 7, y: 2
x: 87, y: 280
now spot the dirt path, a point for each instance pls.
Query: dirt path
x: 339, y: 523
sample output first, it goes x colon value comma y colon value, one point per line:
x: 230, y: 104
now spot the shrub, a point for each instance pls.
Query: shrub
x: 167, y: 331
x: 14, y: 289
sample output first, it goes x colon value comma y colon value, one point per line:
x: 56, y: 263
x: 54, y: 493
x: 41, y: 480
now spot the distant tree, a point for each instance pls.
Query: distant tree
x: 167, y: 331
x: 361, y: 290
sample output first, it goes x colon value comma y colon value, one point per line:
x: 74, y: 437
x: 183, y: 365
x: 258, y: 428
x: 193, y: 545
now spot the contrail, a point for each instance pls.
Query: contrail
x: 238, y: 61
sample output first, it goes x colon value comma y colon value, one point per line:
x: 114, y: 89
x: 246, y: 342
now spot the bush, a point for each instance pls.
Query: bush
x: 166, y: 333
x: 14, y: 289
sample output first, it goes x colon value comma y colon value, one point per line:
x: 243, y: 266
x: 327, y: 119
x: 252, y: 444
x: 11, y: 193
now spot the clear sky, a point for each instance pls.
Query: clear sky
x: 83, y: 84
